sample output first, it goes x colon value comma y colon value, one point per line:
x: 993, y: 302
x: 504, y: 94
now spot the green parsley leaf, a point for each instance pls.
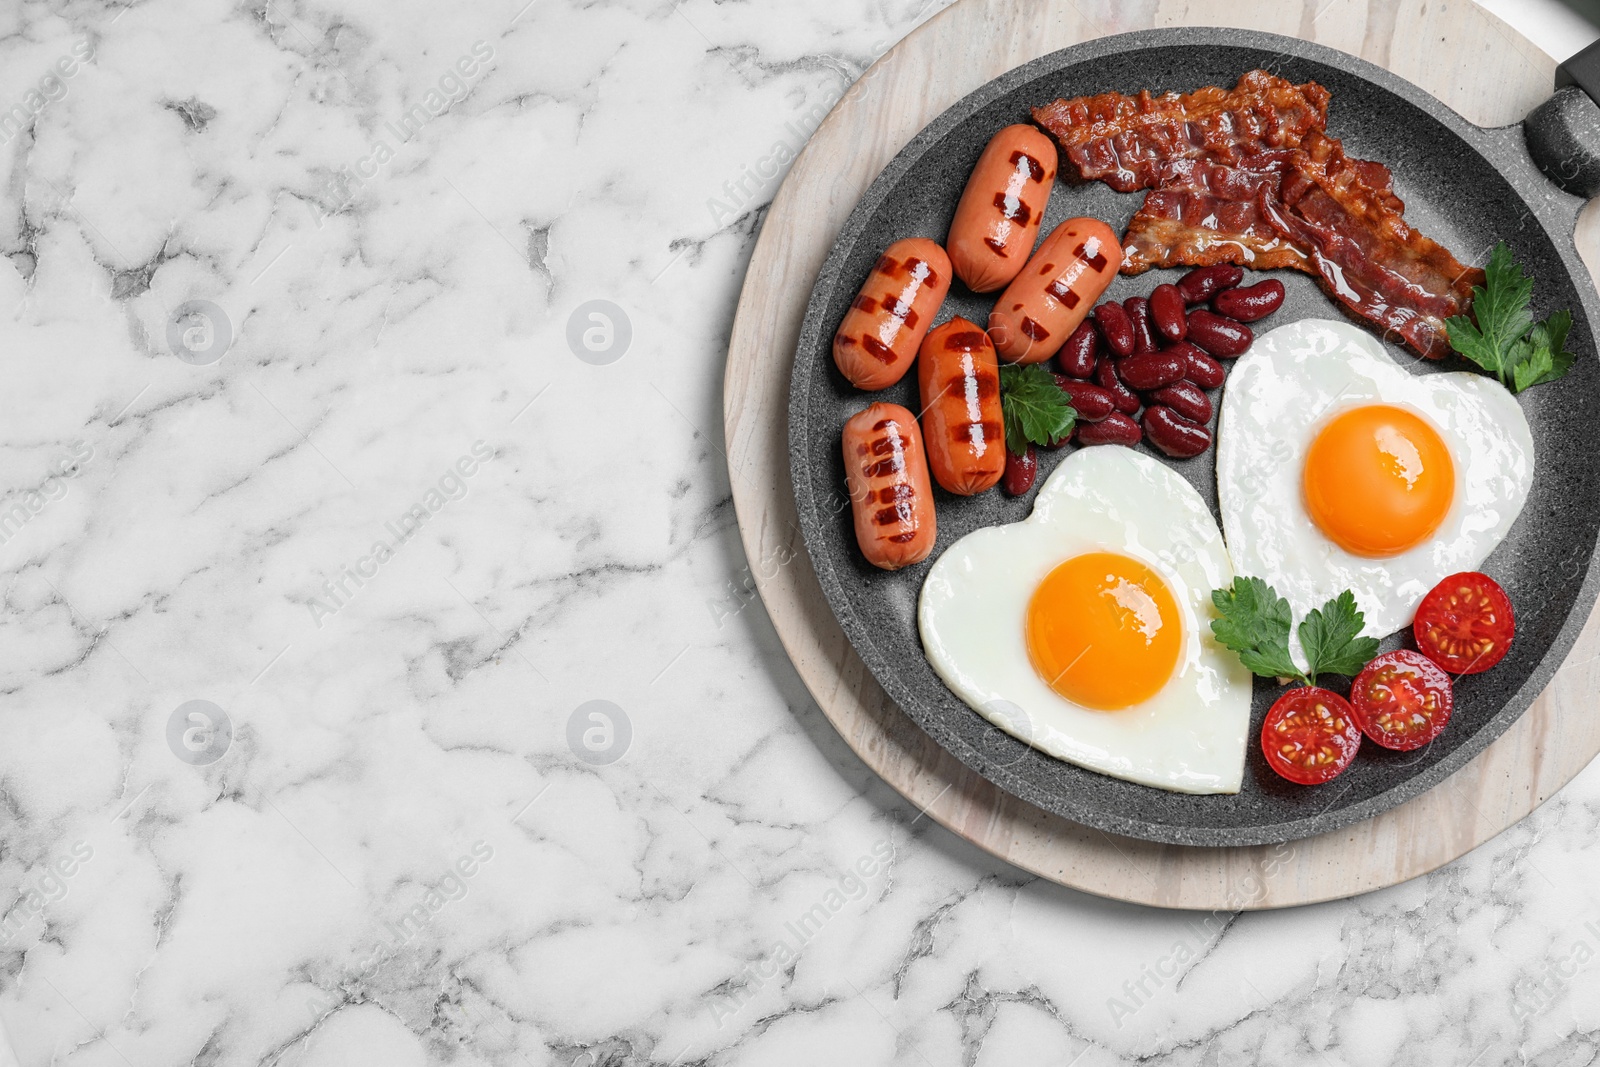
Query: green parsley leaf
x: 1034, y: 407
x: 1546, y: 359
x: 1500, y: 306
x: 1255, y: 623
x: 1331, y: 638
x: 1501, y: 337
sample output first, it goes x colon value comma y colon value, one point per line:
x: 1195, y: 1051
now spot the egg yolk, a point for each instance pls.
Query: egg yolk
x: 1378, y: 480
x: 1103, y: 631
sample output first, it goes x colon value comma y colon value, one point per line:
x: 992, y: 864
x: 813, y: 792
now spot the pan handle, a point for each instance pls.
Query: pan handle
x: 1563, y: 133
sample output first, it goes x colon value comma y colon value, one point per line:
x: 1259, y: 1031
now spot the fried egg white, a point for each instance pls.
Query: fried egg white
x: 1339, y: 469
x: 1104, y: 591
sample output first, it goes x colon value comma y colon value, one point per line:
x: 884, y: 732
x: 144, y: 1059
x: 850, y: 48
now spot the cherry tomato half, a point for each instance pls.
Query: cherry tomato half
x: 1465, y: 624
x: 1310, y: 735
x: 1402, y: 699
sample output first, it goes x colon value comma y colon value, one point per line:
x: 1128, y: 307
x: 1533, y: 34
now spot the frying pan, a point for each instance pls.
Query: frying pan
x: 1463, y: 185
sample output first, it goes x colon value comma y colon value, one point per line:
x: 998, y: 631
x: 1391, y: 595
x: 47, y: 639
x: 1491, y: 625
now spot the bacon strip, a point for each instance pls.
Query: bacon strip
x: 1205, y: 213
x: 1366, y: 255
x: 1124, y: 140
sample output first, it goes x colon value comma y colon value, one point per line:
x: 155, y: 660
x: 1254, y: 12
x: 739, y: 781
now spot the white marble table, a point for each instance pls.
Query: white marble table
x: 302, y: 420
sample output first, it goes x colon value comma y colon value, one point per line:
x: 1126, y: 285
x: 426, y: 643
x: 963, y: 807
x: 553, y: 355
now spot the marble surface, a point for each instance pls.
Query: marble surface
x: 384, y: 679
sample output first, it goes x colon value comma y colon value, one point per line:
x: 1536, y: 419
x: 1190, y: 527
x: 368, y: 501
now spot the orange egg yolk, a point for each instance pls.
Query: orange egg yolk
x: 1103, y: 631
x: 1378, y: 480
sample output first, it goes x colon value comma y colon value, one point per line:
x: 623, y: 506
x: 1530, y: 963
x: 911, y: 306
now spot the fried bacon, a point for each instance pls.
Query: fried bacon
x: 1204, y: 213
x: 1248, y: 176
x: 1125, y: 140
x: 1368, y: 258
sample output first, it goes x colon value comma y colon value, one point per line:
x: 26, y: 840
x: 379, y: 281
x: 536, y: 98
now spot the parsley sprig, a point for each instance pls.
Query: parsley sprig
x: 1034, y: 407
x: 1255, y: 623
x: 1505, y: 341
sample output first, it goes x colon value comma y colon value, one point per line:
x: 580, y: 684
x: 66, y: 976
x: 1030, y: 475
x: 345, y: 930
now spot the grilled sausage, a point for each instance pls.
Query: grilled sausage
x: 959, y: 377
x: 878, y: 339
x: 890, y: 494
x: 1055, y: 291
x: 1001, y: 208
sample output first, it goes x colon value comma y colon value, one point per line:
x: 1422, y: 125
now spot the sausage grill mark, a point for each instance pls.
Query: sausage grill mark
x: 997, y: 247
x: 1033, y: 329
x: 920, y: 272
x: 890, y: 516
x: 865, y: 303
x: 877, y: 349
x: 983, y: 386
x: 1012, y: 208
x: 1093, y: 258
x: 979, y: 432
x: 1063, y: 292
x: 885, y: 467
x: 891, y: 445
x: 906, y: 314
x: 1021, y: 159
x: 965, y: 341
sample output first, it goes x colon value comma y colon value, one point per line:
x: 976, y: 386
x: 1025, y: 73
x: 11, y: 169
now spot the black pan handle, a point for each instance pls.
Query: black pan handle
x: 1563, y: 133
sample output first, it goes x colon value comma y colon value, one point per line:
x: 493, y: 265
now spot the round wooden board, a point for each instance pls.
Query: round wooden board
x: 1453, y: 49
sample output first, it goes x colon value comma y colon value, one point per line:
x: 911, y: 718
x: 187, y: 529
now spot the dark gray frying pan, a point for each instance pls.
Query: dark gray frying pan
x: 1463, y: 185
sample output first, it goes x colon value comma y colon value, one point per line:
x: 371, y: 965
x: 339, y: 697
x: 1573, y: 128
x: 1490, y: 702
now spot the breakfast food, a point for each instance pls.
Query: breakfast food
x: 1123, y: 140
x: 1109, y: 629
x: 1465, y: 624
x: 890, y: 495
x: 959, y: 379
x: 1209, y: 213
x: 1402, y: 699
x: 1053, y: 294
x: 1155, y: 356
x: 880, y: 334
x: 1337, y: 469
x: 1310, y: 735
x: 1083, y: 630
x: 1001, y: 208
x: 1250, y: 177
x: 1251, y: 302
x: 1167, y: 312
x: 1365, y: 254
x: 1021, y: 470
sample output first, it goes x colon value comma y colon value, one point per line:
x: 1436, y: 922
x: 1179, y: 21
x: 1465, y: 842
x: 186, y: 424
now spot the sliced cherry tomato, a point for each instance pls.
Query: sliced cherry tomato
x: 1465, y: 624
x: 1310, y: 735
x: 1402, y: 699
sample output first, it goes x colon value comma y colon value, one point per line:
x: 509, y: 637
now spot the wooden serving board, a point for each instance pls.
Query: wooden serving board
x: 1452, y: 48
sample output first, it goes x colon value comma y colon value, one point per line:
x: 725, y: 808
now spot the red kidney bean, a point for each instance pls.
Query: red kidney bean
x: 1174, y: 434
x: 1115, y: 429
x: 1203, y: 371
x: 1144, y: 334
x: 1200, y: 285
x: 1020, y: 472
x: 1076, y: 358
x: 1166, y: 311
x: 1115, y: 327
x: 1091, y: 402
x: 1185, y: 398
x: 1219, y: 336
x: 1151, y: 370
x: 1250, y: 303
x: 1105, y: 374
